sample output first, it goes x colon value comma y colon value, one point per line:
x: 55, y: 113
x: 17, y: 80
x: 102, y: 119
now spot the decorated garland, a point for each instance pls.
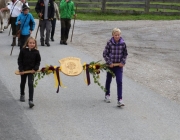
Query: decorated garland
x: 71, y: 66
x: 46, y: 71
x: 94, y: 68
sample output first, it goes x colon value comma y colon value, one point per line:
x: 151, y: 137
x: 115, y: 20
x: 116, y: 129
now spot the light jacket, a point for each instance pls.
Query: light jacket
x: 66, y: 9
x: 56, y: 11
x: 27, y: 23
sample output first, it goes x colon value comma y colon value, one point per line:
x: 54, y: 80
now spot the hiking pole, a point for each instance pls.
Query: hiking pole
x: 74, y: 23
x: 37, y: 29
x: 9, y: 31
x: 12, y: 50
x: 38, y: 25
x: 18, y: 33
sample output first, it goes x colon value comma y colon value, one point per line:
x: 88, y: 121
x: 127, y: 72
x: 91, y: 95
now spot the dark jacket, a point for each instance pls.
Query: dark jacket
x: 40, y: 8
x: 29, y: 59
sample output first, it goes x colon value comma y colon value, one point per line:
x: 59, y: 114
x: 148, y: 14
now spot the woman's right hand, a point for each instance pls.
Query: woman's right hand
x: 19, y: 22
x: 40, y: 14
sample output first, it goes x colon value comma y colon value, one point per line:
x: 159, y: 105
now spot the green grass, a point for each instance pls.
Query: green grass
x: 97, y: 15
x: 114, y: 17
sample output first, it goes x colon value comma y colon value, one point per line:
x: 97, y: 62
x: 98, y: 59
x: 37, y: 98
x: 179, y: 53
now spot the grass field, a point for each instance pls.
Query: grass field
x: 97, y: 15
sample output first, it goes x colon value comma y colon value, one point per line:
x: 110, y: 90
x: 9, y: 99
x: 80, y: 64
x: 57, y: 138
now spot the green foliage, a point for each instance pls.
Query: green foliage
x: 41, y: 74
x: 38, y: 76
x: 95, y: 68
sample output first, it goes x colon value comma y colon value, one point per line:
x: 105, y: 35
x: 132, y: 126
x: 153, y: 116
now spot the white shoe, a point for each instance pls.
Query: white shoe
x: 107, y: 99
x: 120, y: 103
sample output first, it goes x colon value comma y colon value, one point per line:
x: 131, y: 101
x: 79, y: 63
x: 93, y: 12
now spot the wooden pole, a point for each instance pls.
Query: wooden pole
x: 37, y: 29
x: 12, y: 50
x: 147, y: 6
x: 9, y: 31
x: 73, y: 23
x: 18, y: 33
x: 38, y: 26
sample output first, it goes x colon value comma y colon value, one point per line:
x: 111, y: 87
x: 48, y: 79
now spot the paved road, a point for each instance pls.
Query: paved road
x: 14, y: 124
x: 78, y: 112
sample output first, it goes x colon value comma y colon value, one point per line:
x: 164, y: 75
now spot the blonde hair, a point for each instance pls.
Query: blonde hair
x: 116, y: 30
x: 26, y: 43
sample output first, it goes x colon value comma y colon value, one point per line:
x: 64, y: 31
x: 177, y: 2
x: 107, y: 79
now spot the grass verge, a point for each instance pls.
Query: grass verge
x: 114, y: 17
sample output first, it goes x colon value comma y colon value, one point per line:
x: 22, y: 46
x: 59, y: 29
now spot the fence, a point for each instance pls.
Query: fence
x: 162, y: 7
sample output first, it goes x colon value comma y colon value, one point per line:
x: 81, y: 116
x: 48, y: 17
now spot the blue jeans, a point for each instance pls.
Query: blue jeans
x: 118, y: 71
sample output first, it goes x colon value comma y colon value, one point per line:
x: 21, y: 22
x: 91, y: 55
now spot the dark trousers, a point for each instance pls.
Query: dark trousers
x: 23, y: 39
x: 53, y: 22
x: 45, y: 25
x: 30, y: 84
x: 65, y: 27
x: 13, y: 25
x: 118, y: 71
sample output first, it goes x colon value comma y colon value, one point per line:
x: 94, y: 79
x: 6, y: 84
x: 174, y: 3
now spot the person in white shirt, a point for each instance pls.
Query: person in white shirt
x: 15, y: 7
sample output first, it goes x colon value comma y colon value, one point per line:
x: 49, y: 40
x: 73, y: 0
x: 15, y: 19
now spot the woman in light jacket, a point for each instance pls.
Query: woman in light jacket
x: 53, y: 22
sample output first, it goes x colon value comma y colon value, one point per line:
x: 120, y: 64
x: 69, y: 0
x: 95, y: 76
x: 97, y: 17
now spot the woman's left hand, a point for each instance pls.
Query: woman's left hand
x: 33, y: 71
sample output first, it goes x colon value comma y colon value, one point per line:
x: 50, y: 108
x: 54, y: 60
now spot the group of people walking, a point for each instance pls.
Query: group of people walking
x: 22, y: 22
x: 29, y: 57
x: 48, y: 12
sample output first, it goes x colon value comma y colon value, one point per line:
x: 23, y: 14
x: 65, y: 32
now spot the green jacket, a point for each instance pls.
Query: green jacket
x: 66, y: 9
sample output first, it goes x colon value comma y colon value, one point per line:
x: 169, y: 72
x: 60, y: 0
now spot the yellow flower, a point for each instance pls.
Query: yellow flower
x: 90, y: 66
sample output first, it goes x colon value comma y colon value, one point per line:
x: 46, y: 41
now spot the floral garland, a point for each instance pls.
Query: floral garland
x: 93, y: 68
x: 46, y: 71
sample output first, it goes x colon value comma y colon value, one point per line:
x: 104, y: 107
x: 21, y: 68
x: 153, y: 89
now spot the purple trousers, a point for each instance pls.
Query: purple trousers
x: 118, y: 71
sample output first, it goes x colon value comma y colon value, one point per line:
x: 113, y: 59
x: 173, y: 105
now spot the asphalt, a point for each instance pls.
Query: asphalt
x: 78, y: 111
x: 14, y: 125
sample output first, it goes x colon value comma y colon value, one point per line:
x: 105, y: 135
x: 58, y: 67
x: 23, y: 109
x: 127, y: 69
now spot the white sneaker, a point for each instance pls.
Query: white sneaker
x: 120, y: 103
x: 107, y: 99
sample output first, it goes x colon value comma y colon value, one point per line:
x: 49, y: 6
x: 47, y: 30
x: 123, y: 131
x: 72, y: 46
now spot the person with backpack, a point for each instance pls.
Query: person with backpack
x: 27, y: 24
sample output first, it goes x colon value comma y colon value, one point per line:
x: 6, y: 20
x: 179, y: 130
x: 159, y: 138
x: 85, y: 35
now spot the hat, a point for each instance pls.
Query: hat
x: 24, y: 7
